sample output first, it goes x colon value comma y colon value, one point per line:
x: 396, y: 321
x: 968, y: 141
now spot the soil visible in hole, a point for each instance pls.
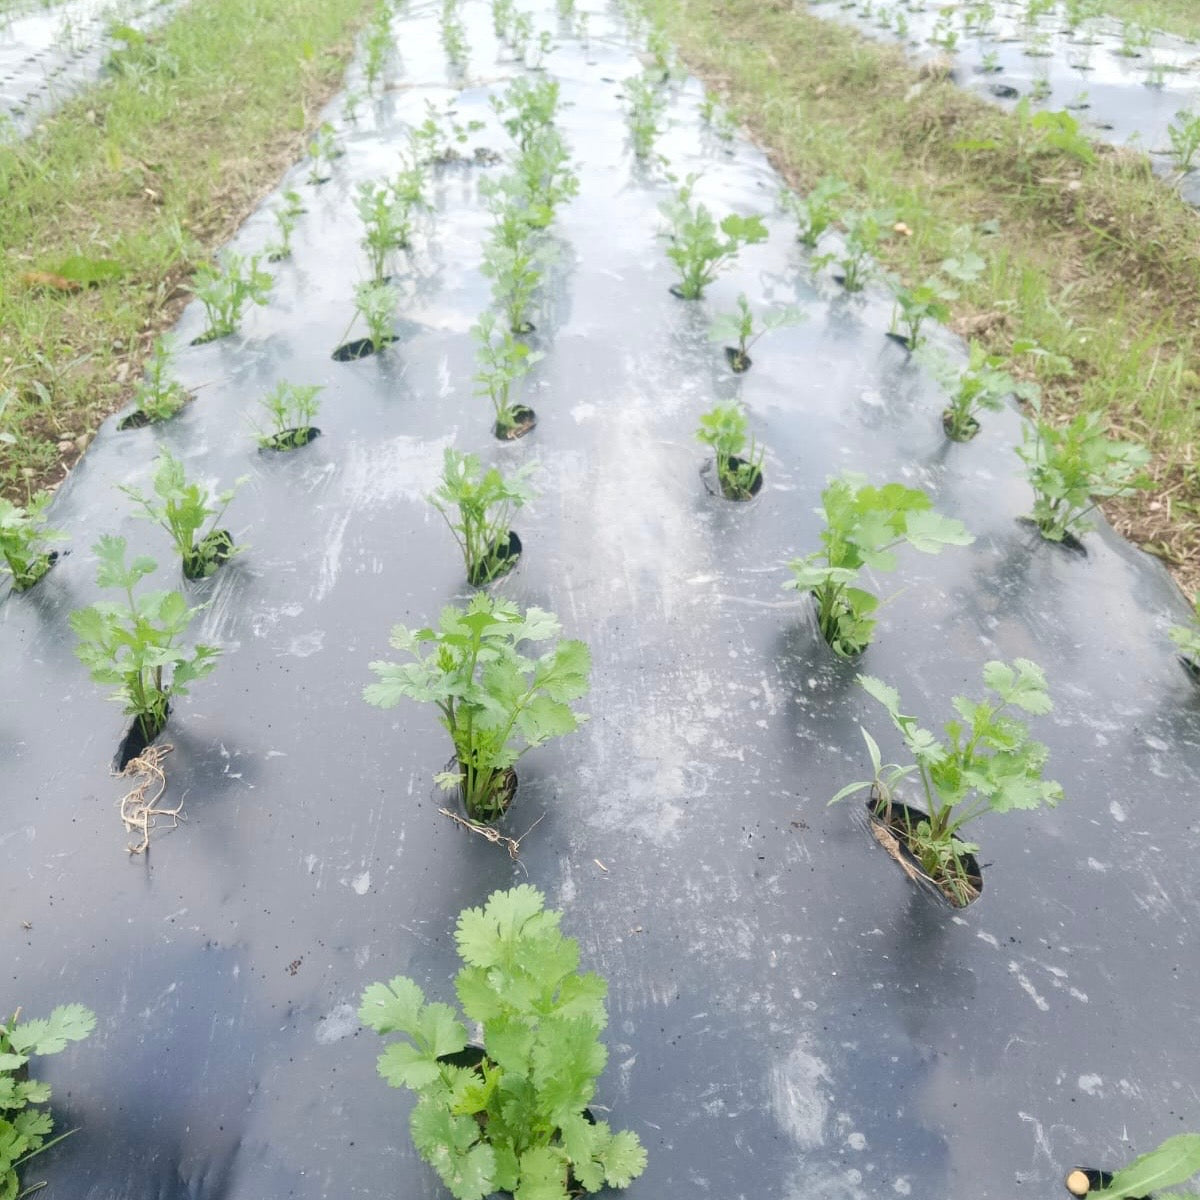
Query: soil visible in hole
x: 136, y: 420
x: 1004, y: 91
x: 900, y: 340
x: 525, y: 419
x: 135, y: 741
x: 502, y: 559
x: 738, y: 362
x: 524, y: 328
x: 717, y: 486
x: 947, y: 426
x: 1191, y: 666
x: 352, y: 351
x: 210, y: 552
x: 290, y: 439
x: 1069, y: 541
x: 677, y: 292
x: 40, y: 570
x: 890, y: 825
x: 210, y: 335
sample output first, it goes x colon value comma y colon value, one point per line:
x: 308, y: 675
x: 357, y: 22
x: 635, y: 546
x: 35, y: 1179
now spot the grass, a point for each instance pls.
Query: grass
x: 1098, y: 263
x: 152, y: 169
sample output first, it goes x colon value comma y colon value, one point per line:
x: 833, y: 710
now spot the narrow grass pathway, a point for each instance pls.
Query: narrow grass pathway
x: 1087, y: 254
x: 1171, y: 16
x: 153, y: 169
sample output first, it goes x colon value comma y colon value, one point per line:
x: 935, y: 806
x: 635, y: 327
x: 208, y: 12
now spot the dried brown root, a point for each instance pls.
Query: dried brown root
x: 489, y: 834
x: 138, y: 808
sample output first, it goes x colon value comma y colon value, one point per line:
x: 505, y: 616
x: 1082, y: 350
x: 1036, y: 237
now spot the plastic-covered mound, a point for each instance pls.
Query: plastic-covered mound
x: 1124, y: 84
x: 49, y: 51
x: 789, y: 1015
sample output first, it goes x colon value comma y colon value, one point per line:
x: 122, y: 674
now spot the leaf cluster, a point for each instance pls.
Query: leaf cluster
x: 983, y: 384
x: 700, y: 246
x: 24, y: 537
x: 225, y: 292
x: 24, y: 1128
x: 375, y: 302
x: 926, y: 301
x: 385, y: 210
x: 527, y: 108
x: 739, y: 326
x: 515, y: 1121
x: 158, y: 396
x: 477, y: 505
x: 863, y: 527
x: 502, y: 362
x: 132, y: 645
x: 817, y: 211
x: 725, y: 428
x: 292, y: 408
x: 182, y: 509
x: 647, y: 104
x: 1071, y: 466
x: 1187, y: 637
x: 1175, y: 1161
x: 495, y: 702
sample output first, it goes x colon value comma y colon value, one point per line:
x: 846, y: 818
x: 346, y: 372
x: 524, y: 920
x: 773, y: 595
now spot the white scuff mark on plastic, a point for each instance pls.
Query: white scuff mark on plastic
x: 901, y: 1186
x: 444, y: 384
x: 583, y: 412
x: 857, y: 1141
x: 1097, y: 865
x: 1117, y: 812
x: 177, y: 913
x: 1078, y: 995
x: 1027, y: 987
x: 331, y: 559
x: 310, y: 862
x: 1092, y: 1085
x: 1039, y: 1135
x: 307, y: 643
x: 361, y: 883
x: 1156, y: 743
x: 990, y: 938
x: 798, y: 1098
x: 362, y: 956
x: 340, y: 1022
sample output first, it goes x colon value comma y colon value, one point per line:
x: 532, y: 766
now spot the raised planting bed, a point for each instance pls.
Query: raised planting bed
x: 789, y: 1015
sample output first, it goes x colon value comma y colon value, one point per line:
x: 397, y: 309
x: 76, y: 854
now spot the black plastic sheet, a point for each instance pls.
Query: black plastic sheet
x: 789, y: 1017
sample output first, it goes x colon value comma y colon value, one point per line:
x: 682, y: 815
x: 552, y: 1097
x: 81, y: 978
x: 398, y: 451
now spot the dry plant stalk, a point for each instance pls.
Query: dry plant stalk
x: 491, y: 835
x: 138, y: 811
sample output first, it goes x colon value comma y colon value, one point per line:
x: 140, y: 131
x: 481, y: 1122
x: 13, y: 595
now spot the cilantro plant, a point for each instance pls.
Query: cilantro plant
x: 1072, y: 467
x: 818, y: 210
x: 646, y: 107
x: 158, y: 397
x: 286, y: 218
x: 864, y: 232
x: 24, y: 538
x: 437, y: 138
x: 1187, y: 637
x: 323, y: 149
x: 1175, y: 1161
x: 527, y: 108
x: 376, y: 304
x: 496, y: 703
x: 928, y: 301
x: 385, y: 210
x: 477, y: 505
x: 182, y: 509
x: 378, y: 44
x: 699, y: 246
x: 988, y: 763
x: 1184, y: 132
x: 133, y: 644
x: 516, y: 1120
x: 739, y: 327
x: 864, y: 525
x: 24, y: 1126
x: 739, y: 461
x: 501, y: 364
x: 226, y: 292
x: 514, y: 267
x: 982, y: 385
x: 543, y: 177
x: 292, y: 408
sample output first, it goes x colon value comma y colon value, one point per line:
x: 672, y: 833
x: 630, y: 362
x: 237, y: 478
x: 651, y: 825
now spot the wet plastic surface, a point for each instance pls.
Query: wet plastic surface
x: 48, y: 53
x: 789, y: 1016
x: 1123, y: 87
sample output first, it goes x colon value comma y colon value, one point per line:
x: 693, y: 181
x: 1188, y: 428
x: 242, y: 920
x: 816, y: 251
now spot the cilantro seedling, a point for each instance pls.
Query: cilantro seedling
x: 24, y: 1126
x: 477, y: 506
x: 864, y: 232
x: 1072, y: 467
x: 495, y: 703
x: 323, y: 149
x: 740, y: 327
x: 385, y: 211
x: 182, y: 509
x: 864, y: 525
x: 928, y: 301
x: 158, y: 397
x: 699, y: 246
x: 983, y: 384
x: 378, y: 44
x: 646, y: 107
x: 502, y: 363
x: 133, y: 644
x: 376, y: 304
x: 226, y: 291
x: 1184, y: 132
x: 527, y: 109
x: 1187, y: 637
x: 516, y: 1120
x: 292, y: 409
x: 24, y: 538
x: 286, y: 218
x: 988, y: 763
x: 818, y: 210
x: 739, y: 461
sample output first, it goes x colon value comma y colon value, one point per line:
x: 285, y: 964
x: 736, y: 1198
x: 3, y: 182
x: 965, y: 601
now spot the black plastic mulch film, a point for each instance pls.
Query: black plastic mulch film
x: 789, y: 1016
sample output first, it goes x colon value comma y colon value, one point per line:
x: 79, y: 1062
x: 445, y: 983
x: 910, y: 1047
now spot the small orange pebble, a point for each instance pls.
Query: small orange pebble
x: 1078, y: 1183
x: 900, y: 227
